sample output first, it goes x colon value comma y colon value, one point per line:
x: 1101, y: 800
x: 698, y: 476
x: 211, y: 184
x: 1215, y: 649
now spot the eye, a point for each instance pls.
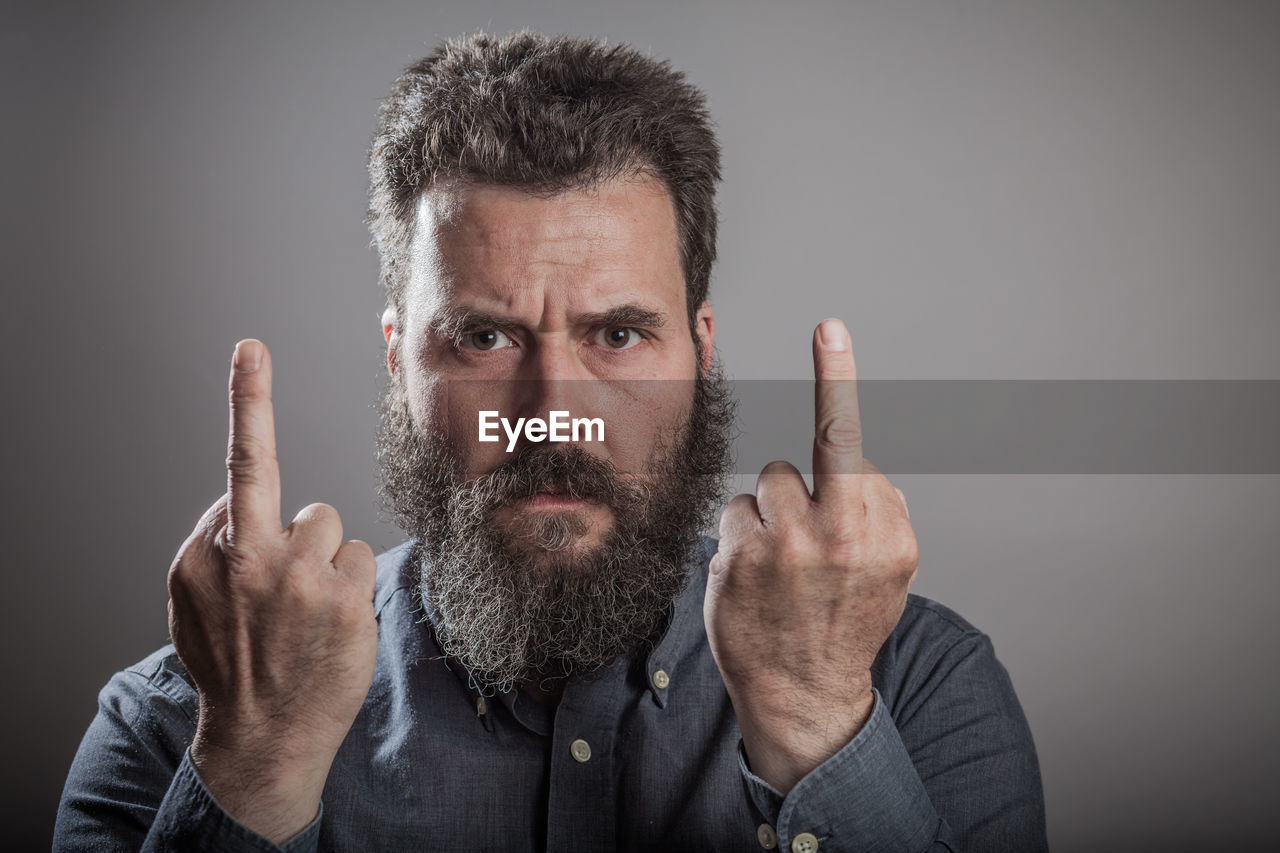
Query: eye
x: 486, y: 339
x: 619, y: 337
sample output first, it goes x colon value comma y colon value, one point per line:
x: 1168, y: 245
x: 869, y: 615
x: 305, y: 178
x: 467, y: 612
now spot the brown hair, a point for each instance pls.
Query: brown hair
x: 546, y: 114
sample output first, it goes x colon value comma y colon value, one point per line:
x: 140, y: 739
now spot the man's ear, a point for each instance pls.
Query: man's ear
x: 704, y: 326
x: 392, y: 337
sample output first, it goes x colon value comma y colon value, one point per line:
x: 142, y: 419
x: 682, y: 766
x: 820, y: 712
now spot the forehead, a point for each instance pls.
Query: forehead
x: 503, y: 247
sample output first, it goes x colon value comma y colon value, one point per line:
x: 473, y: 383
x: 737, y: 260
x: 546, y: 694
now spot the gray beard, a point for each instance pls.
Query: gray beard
x: 530, y: 602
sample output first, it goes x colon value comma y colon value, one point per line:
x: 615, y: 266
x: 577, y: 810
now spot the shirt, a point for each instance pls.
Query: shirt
x: 646, y: 755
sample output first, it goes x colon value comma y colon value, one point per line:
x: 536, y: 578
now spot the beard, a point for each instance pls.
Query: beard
x: 527, y: 600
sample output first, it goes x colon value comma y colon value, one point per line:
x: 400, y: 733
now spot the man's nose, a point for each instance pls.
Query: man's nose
x: 555, y: 379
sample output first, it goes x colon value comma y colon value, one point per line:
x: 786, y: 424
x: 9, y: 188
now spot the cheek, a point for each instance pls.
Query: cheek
x: 648, y: 414
x: 460, y: 402
x: 422, y: 393
x: 436, y: 412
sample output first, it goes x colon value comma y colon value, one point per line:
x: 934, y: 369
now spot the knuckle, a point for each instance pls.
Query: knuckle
x: 190, y: 551
x: 737, y: 518
x: 778, y: 467
x: 736, y: 508
x: 239, y: 555
x: 736, y: 556
x: 325, y: 513
x: 361, y: 554
x: 209, y: 525
x: 836, y: 366
x: 247, y: 458
x: 321, y: 515
x: 214, y: 515
x: 908, y: 556
x: 838, y: 433
x: 178, y: 578
x: 188, y: 566
x: 317, y: 523
x: 190, y: 584
x: 246, y: 389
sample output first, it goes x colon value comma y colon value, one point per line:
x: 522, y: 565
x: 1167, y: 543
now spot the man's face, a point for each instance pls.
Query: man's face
x: 550, y: 556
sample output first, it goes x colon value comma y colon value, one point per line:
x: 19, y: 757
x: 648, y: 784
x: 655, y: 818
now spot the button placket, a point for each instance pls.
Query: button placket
x: 581, y: 804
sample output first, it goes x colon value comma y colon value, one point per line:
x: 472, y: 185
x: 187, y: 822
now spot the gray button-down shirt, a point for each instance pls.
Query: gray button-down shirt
x: 626, y: 761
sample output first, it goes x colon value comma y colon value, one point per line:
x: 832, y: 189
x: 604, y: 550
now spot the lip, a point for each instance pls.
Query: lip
x: 551, y: 500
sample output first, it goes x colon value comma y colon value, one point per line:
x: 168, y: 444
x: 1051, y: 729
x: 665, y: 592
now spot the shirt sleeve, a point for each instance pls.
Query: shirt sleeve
x: 952, y: 767
x: 132, y: 785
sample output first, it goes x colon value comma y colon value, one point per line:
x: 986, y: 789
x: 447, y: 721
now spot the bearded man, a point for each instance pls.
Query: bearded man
x: 556, y: 659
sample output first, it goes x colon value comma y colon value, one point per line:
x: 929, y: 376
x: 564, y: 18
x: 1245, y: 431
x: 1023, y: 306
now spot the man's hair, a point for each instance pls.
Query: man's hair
x: 545, y: 114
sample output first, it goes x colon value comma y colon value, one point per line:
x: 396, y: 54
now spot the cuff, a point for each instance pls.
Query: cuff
x: 866, y: 797
x: 190, y: 819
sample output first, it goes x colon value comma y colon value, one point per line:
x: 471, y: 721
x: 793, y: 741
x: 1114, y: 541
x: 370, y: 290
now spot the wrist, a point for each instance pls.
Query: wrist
x: 272, y: 791
x: 272, y: 743
x: 784, y: 743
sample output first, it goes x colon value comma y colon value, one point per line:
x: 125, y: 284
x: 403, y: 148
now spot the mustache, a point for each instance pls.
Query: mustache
x: 567, y: 469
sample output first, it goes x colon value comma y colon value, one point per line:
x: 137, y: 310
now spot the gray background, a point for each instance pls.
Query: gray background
x: 1014, y: 190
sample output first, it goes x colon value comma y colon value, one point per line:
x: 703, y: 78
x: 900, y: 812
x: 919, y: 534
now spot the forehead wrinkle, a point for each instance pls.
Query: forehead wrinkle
x: 522, y: 279
x: 573, y: 216
x: 491, y: 253
x: 566, y: 240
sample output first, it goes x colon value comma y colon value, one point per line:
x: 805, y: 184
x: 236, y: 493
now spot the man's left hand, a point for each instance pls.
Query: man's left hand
x: 805, y: 588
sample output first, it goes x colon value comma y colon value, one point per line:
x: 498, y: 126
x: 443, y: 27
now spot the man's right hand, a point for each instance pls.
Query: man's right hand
x: 276, y: 627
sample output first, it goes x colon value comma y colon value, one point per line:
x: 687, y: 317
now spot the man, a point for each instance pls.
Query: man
x: 555, y: 659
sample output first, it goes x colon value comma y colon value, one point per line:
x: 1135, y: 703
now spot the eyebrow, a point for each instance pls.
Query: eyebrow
x: 453, y: 322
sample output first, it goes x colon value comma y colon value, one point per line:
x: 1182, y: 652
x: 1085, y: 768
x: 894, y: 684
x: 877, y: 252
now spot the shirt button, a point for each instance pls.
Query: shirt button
x: 581, y: 751
x: 661, y: 679
x: 768, y: 838
x: 804, y: 843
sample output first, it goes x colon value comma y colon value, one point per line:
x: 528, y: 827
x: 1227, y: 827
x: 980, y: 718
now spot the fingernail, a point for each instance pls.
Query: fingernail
x: 248, y: 356
x: 833, y: 335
